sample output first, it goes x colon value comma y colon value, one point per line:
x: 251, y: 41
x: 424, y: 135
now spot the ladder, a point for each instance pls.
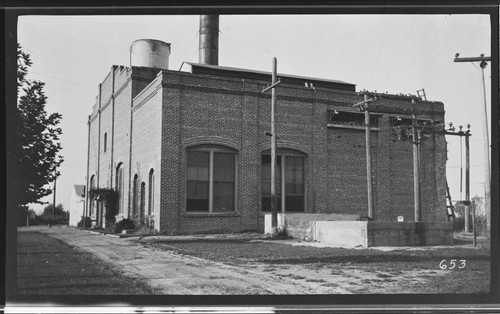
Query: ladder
x: 450, y: 212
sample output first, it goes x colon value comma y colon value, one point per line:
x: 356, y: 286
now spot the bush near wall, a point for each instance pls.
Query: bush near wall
x: 87, y: 220
x: 110, y: 199
x: 480, y: 223
x: 123, y: 225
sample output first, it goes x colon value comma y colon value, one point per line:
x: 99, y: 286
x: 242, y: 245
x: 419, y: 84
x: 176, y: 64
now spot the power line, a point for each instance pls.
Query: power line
x: 68, y: 91
x: 404, y: 45
x: 237, y: 50
x: 438, y: 53
x: 78, y: 39
x: 412, y: 68
x: 476, y: 32
x: 59, y: 51
x: 189, y: 46
x: 64, y: 80
x: 380, y: 48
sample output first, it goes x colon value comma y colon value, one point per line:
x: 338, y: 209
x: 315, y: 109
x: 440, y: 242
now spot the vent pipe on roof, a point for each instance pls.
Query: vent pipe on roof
x: 209, y: 39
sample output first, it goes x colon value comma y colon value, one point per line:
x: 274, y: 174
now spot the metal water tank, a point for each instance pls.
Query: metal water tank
x: 149, y: 53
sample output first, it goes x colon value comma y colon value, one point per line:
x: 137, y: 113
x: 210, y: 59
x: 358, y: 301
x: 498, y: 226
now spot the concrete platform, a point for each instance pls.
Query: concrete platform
x: 348, y: 231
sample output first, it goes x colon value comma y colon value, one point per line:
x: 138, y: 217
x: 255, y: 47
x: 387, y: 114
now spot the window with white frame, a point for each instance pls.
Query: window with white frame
x: 210, y: 179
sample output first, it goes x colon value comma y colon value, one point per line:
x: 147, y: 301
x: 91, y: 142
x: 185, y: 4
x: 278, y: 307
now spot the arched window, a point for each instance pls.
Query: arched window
x: 210, y: 179
x: 135, y: 198
x: 92, y: 203
x: 151, y: 192
x: 119, y: 186
x: 289, y: 182
x: 135, y: 195
x: 142, y: 201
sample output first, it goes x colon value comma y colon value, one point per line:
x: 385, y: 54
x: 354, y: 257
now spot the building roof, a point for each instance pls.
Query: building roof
x: 197, y: 68
x: 80, y: 190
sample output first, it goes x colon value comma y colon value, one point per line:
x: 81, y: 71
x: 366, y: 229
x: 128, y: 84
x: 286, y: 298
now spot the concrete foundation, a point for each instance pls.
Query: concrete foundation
x: 347, y: 230
x: 300, y: 226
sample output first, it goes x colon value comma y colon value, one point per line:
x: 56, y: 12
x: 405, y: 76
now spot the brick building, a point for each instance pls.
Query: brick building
x: 187, y: 150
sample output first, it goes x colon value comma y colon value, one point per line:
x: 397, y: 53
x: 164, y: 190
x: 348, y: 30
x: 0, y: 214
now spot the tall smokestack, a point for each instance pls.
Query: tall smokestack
x: 209, y: 39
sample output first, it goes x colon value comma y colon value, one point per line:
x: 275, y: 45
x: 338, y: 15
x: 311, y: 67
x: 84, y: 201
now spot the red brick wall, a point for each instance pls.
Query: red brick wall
x: 203, y: 108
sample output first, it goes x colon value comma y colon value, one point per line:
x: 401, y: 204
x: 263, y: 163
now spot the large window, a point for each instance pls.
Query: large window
x: 289, y: 182
x: 210, y: 177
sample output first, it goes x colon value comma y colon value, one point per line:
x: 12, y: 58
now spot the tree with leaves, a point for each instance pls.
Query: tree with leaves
x: 50, y: 213
x: 37, y: 138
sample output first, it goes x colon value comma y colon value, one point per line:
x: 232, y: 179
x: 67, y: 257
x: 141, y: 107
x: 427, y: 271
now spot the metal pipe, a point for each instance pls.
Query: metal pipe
x: 209, y: 39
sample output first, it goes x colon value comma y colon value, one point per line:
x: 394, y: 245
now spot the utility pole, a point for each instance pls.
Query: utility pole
x: 274, y: 212
x: 466, y: 202
x: 27, y: 217
x: 54, y: 199
x: 363, y: 106
x: 486, y: 141
x: 368, y: 160
x: 416, y: 164
x: 467, y: 180
x: 84, y: 202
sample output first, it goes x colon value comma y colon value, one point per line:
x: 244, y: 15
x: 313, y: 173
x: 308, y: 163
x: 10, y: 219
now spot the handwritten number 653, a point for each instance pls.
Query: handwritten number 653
x: 452, y: 264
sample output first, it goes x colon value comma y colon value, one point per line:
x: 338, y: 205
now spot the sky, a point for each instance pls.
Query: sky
x: 383, y: 53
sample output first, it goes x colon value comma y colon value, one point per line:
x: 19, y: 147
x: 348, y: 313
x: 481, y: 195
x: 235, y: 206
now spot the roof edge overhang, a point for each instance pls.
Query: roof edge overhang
x: 197, y: 68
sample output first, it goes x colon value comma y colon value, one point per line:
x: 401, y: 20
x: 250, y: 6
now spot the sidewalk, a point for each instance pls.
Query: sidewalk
x: 168, y: 272
x: 47, y: 266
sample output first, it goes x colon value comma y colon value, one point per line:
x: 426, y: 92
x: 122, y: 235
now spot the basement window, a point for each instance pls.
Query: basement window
x: 350, y: 119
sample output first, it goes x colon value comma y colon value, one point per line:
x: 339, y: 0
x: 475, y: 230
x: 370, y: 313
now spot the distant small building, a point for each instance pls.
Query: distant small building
x: 77, y: 205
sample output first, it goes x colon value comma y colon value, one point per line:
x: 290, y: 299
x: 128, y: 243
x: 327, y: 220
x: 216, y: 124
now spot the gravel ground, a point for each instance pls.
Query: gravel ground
x: 355, y: 270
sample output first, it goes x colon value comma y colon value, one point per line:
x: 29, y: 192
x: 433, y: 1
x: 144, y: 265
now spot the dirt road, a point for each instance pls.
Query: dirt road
x: 170, y: 273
